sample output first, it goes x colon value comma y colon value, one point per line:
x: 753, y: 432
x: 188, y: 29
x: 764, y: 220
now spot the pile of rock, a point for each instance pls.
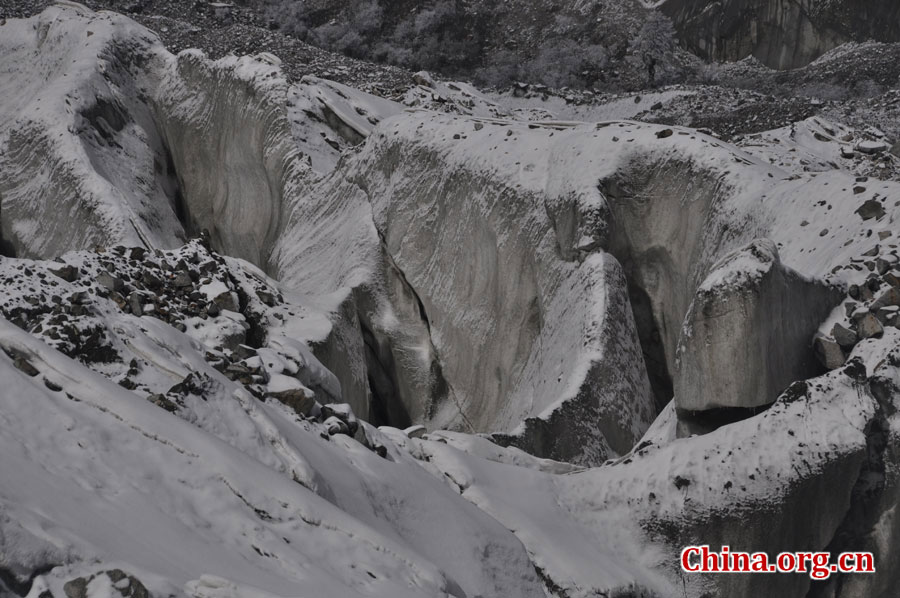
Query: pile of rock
x: 110, y: 583
x: 76, y: 305
x: 870, y: 308
x: 171, y: 286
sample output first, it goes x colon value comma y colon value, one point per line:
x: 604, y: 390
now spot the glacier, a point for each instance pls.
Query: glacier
x: 265, y: 337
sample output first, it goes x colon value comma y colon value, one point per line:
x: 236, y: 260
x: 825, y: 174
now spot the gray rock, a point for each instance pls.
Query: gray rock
x: 424, y: 79
x: 891, y: 296
x: 870, y: 209
x: 233, y: 340
x: 138, y: 253
x: 76, y: 588
x: 335, y: 425
x: 160, y: 400
x: 415, y: 431
x: 151, y: 281
x: 67, y: 272
x: 868, y: 326
x: 136, y: 302
x: 885, y: 263
x: 872, y: 147
x: 20, y: 361
x: 226, y: 301
x: 134, y: 589
x: 747, y: 332
x: 110, y: 282
x: 266, y: 297
x: 844, y: 336
x: 300, y: 400
x: 343, y: 412
x: 887, y: 315
x: 243, y: 352
x: 25, y: 366
x: 183, y: 279
x: 895, y: 149
x: 828, y: 352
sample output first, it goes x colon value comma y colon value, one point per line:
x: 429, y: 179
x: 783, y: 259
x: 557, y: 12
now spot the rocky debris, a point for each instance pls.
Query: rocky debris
x: 729, y: 113
x: 115, y: 583
x: 192, y: 289
x: 747, y: 332
x: 873, y: 306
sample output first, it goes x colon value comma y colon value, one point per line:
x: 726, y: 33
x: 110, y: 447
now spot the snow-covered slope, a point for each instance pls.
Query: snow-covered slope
x: 81, y: 160
x: 95, y: 477
x: 167, y: 446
